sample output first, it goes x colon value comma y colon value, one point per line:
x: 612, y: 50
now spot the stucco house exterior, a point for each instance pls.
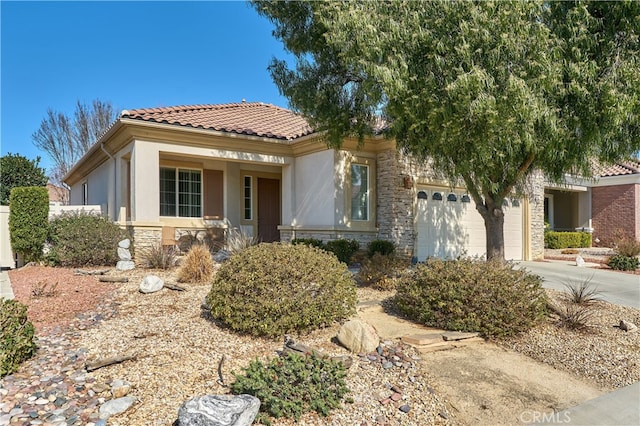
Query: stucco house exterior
x: 607, y: 205
x: 162, y: 172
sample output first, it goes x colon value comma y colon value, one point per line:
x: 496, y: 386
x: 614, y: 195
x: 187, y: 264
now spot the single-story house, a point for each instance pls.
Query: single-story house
x: 164, y: 172
x: 607, y: 205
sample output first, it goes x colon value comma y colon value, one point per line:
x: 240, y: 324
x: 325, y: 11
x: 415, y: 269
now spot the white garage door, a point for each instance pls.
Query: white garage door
x: 448, y: 225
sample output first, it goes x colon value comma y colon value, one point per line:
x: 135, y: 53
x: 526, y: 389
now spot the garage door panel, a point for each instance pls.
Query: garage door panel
x: 448, y: 229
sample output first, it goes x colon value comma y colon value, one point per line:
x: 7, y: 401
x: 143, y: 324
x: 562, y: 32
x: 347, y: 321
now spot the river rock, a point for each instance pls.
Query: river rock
x: 125, y: 265
x: 358, y: 336
x: 120, y: 388
x: 124, y: 254
x: 125, y: 244
x: 116, y: 406
x: 219, y: 410
x: 151, y: 284
x: 580, y: 261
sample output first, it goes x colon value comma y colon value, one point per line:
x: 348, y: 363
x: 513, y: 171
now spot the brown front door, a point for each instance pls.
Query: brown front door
x: 268, y: 209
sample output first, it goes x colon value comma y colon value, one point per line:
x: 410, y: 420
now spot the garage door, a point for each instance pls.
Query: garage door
x: 448, y: 225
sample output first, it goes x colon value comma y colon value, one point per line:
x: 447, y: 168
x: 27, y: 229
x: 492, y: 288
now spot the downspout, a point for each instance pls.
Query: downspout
x: 115, y: 180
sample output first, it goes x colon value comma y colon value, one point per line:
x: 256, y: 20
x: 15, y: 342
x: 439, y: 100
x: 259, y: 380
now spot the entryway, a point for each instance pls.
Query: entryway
x: 268, y: 209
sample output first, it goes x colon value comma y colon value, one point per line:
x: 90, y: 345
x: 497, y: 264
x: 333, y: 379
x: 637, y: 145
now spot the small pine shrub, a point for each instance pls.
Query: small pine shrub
x: 158, y: 257
x: 28, y: 221
x: 467, y: 295
x: 623, y: 263
x: 82, y: 239
x: 343, y: 249
x: 17, y: 341
x: 276, y: 288
x: 197, y: 266
x: 381, y: 271
x: 382, y: 247
x: 313, y: 242
x: 293, y: 385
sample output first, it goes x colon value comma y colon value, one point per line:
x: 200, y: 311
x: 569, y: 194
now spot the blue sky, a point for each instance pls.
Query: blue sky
x: 134, y: 54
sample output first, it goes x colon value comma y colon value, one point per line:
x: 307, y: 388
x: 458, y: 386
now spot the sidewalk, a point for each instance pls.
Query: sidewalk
x: 6, y: 291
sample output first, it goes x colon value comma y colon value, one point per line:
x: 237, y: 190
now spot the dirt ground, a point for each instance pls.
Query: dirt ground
x: 486, y: 384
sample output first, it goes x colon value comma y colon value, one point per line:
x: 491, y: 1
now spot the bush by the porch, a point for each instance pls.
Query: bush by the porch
x: 277, y: 288
x: 560, y: 240
x: 467, y: 295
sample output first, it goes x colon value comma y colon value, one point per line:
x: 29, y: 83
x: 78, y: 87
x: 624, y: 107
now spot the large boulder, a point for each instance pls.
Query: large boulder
x: 151, y: 284
x: 124, y: 254
x: 219, y: 410
x: 358, y: 336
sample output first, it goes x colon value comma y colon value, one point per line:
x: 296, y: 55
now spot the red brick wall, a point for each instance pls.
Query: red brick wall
x: 615, y: 210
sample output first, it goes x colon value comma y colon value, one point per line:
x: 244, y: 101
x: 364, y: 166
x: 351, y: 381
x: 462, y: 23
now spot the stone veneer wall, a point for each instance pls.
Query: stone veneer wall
x: 364, y: 238
x: 395, y: 202
x: 144, y: 236
x: 536, y: 218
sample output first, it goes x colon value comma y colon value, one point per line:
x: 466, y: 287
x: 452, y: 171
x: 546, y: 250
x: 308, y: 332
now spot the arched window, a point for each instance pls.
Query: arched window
x: 422, y: 195
x: 452, y: 197
x: 437, y: 196
x: 465, y: 199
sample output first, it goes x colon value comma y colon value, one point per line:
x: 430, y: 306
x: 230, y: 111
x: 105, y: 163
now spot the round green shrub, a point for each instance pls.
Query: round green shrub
x: 383, y: 247
x: 623, y: 263
x: 467, y: 295
x: 17, y: 340
x: 295, y: 384
x: 343, y: 249
x: 84, y: 239
x: 277, y: 288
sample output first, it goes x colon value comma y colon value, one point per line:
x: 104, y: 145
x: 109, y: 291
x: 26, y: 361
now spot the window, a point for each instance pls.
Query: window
x: 248, y: 199
x: 437, y: 196
x: 180, y: 192
x: 465, y: 199
x: 359, y: 192
x: 85, y: 193
x: 422, y: 195
x: 452, y: 197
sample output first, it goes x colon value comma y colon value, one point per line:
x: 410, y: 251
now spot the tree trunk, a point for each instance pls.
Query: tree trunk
x: 493, y: 216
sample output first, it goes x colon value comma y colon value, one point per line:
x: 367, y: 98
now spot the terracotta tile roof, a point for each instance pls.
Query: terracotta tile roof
x: 247, y: 118
x: 628, y: 167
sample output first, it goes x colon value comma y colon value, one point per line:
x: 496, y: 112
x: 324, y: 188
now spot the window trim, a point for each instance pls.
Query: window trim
x: 177, y: 170
x: 368, y: 192
x: 85, y: 193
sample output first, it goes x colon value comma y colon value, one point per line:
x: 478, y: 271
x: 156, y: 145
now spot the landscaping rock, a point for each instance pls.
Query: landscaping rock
x: 628, y: 326
x: 125, y: 265
x: 116, y: 406
x: 358, y: 336
x: 221, y: 256
x: 120, y: 388
x: 151, y: 284
x: 219, y: 410
x: 124, y: 254
x: 579, y: 261
x: 125, y: 244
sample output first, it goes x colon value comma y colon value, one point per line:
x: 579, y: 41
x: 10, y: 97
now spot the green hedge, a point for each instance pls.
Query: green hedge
x: 560, y: 240
x: 29, y: 220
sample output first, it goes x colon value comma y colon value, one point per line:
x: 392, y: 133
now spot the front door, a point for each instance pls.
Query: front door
x: 268, y: 209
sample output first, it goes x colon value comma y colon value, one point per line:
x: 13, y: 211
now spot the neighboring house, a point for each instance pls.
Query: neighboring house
x: 166, y: 172
x: 608, y: 205
x: 58, y: 195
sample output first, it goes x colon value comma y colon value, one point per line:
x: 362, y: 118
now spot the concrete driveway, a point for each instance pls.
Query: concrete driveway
x: 615, y: 287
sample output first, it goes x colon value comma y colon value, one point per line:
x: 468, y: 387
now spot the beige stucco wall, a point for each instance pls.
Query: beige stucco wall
x: 314, y: 198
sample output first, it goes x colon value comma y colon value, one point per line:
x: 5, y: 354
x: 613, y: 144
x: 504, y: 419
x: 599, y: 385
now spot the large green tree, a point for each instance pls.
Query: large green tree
x: 17, y: 171
x: 483, y: 92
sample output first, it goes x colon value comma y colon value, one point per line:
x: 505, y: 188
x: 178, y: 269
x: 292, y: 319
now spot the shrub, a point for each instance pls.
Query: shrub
x: 276, y: 288
x: 158, y: 257
x: 381, y: 271
x: 627, y: 247
x: 574, y: 316
x: 467, y: 295
x: 197, y: 266
x: 560, y: 240
x: 570, y: 251
x: 343, y: 249
x: 239, y: 240
x: 582, y: 292
x: 84, y: 239
x: 295, y: 384
x: 382, y: 247
x: 623, y: 263
x: 28, y: 220
x: 17, y: 341
x: 313, y: 242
